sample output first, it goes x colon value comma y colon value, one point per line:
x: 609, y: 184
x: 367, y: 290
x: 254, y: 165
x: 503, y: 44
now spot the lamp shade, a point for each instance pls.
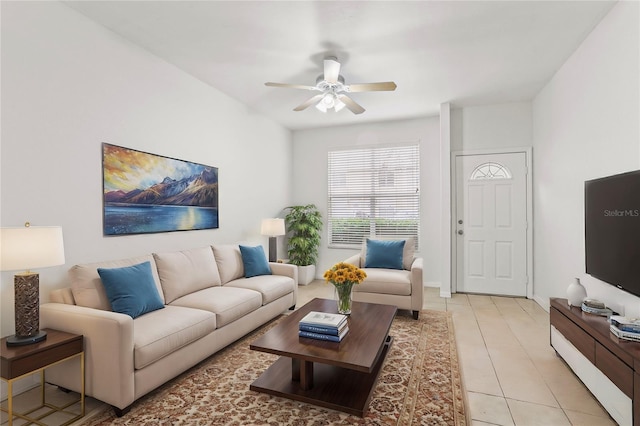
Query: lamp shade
x: 272, y: 227
x: 31, y: 247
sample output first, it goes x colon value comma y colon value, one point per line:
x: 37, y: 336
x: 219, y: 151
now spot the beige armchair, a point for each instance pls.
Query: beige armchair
x: 400, y: 287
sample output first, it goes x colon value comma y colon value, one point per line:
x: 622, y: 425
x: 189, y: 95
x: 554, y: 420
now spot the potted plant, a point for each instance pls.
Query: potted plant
x: 304, y: 224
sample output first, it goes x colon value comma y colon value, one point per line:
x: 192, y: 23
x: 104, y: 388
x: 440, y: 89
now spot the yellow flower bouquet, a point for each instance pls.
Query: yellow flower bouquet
x: 344, y: 276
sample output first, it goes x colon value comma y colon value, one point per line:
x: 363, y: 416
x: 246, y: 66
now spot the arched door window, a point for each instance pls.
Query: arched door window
x: 490, y: 171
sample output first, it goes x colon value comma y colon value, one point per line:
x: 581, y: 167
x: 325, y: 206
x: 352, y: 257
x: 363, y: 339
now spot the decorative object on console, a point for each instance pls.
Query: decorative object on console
x: 596, y: 307
x: 147, y: 193
x: 576, y: 293
x: 344, y: 276
x: 273, y: 228
x: 23, y: 249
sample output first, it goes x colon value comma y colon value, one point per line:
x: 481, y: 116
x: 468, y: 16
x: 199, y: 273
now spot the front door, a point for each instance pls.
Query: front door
x: 491, y: 224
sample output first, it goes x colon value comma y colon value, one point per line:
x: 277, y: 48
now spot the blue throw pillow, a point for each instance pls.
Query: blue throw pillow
x: 254, y: 261
x: 384, y: 254
x: 131, y: 290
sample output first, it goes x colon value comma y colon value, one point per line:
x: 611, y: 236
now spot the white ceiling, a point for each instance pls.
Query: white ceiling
x: 463, y: 52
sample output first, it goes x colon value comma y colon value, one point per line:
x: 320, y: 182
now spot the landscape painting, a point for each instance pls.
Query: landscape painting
x: 148, y: 193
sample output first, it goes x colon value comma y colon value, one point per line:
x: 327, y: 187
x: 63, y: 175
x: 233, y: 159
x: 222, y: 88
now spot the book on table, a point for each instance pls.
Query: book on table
x: 323, y: 326
x: 625, y: 323
x: 323, y: 319
x: 625, y: 335
x: 323, y: 336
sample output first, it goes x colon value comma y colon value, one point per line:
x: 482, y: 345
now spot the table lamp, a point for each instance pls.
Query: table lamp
x: 23, y: 249
x: 272, y: 227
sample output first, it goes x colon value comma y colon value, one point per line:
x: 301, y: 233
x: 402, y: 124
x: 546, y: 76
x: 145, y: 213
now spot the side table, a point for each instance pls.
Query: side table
x: 20, y: 361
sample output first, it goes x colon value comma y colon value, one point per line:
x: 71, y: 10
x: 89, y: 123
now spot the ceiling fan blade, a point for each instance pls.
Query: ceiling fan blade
x: 291, y: 86
x: 351, y: 104
x: 313, y: 100
x: 371, y: 87
x: 331, y: 70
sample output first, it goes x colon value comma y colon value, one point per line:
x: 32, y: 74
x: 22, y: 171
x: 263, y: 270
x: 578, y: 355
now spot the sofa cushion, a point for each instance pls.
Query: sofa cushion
x: 162, y: 332
x: 384, y: 254
x: 228, y: 303
x: 229, y: 260
x: 254, y: 261
x: 271, y: 287
x: 87, y: 287
x: 131, y: 289
x: 385, y: 281
x: 183, y: 272
x: 408, y: 251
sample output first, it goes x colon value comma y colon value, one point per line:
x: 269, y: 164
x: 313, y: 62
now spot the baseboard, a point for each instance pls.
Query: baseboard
x: 544, y: 303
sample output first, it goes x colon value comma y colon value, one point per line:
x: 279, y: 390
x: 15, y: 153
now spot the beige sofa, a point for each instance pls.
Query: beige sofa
x: 400, y: 287
x: 207, y: 304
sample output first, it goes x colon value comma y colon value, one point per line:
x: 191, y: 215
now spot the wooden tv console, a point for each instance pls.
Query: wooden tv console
x: 608, y: 366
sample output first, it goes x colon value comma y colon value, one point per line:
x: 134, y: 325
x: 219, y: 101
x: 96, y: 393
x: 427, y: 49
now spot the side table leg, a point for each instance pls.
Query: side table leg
x: 42, y: 387
x: 82, y: 383
x: 10, y: 402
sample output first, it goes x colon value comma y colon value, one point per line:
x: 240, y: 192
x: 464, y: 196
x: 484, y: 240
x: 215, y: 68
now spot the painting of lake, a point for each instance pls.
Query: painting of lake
x: 147, y: 193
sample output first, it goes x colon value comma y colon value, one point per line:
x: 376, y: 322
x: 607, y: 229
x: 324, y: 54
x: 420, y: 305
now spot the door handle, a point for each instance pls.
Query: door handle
x: 460, y: 232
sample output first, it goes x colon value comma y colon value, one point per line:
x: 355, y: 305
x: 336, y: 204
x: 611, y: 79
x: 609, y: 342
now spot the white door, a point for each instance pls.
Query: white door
x: 491, y: 224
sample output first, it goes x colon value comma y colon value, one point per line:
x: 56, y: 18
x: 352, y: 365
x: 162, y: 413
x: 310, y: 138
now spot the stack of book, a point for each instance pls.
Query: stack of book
x: 596, y: 307
x: 323, y: 326
x: 625, y: 328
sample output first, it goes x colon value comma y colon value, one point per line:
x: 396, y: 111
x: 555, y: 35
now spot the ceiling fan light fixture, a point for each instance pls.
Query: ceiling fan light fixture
x: 338, y: 105
x: 320, y: 107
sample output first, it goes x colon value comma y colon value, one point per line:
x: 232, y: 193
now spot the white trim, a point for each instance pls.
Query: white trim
x: 529, y: 182
x: 445, y: 193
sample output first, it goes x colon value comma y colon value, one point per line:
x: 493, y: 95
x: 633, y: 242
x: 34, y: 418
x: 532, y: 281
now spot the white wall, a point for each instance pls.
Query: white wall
x: 492, y: 127
x: 67, y: 86
x: 310, y: 148
x: 586, y: 125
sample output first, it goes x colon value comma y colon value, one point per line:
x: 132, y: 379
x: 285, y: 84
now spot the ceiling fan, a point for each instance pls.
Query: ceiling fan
x: 333, y: 90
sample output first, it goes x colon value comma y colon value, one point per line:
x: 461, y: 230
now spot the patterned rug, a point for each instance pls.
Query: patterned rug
x: 419, y: 384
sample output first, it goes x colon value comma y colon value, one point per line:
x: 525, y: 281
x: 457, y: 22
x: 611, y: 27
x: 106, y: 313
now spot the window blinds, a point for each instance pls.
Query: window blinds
x: 373, y: 192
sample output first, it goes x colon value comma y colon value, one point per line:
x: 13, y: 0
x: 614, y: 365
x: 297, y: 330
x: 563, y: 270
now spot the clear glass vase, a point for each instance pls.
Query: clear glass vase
x: 343, y: 297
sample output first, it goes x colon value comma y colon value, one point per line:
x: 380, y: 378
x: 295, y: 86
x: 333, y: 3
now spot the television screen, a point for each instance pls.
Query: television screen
x: 612, y: 230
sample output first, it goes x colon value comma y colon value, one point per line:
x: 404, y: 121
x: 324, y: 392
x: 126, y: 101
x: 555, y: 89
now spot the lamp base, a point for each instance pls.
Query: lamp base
x: 16, y: 340
x: 273, y: 249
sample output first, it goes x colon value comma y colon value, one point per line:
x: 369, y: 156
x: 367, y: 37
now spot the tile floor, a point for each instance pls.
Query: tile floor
x: 511, y: 374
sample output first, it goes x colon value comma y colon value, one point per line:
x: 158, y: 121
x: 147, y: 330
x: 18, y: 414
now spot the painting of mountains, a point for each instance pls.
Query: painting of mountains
x: 147, y: 193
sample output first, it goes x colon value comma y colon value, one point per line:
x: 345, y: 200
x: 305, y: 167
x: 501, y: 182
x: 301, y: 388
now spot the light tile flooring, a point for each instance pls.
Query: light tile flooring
x: 511, y: 374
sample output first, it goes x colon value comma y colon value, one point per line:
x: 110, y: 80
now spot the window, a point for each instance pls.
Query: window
x: 490, y: 171
x: 373, y: 192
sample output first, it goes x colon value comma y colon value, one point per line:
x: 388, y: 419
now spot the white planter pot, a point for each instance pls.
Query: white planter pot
x: 306, y: 274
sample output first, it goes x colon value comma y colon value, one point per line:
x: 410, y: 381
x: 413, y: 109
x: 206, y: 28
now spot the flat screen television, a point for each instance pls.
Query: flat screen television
x: 612, y: 230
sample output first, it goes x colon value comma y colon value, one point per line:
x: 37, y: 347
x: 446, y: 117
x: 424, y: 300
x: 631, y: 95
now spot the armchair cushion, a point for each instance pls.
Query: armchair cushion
x: 386, y: 281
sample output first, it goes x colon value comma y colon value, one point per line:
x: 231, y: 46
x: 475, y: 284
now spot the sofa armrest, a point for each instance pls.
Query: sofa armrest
x: 354, y: 260
x: 108, y: 345
x: 417, y: 286
x: 287, y: 270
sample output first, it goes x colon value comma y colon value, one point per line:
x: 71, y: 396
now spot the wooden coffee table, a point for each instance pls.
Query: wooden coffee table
x: 340, y: 376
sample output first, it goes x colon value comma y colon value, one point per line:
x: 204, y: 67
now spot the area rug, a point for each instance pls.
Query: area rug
x: 420, y: 384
